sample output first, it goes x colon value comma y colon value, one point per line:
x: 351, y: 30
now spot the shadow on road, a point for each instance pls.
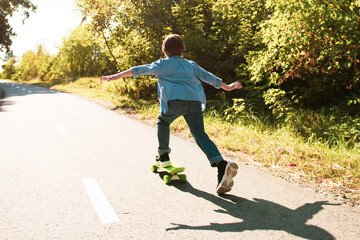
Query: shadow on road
x: 259, y: 214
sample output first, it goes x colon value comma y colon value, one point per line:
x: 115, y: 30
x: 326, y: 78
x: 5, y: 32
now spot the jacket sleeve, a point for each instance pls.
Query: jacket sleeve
x: 147, y: 69
x: 206, y: 76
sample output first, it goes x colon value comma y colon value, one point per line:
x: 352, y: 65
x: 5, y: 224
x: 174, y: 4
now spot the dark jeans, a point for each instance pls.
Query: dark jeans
x: 193, y: 115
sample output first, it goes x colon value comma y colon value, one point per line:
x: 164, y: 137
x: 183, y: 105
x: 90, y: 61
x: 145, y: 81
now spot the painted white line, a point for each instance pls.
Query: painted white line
x: 62, y: 130
x: 102, y: 206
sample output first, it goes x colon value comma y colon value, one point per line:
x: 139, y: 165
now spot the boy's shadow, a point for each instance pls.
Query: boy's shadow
x: 259, y: 214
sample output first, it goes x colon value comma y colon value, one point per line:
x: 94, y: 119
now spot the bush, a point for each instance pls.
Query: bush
x: 314, y: 45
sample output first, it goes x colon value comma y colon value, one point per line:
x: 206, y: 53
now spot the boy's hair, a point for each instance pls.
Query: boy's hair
x: 173, y: 45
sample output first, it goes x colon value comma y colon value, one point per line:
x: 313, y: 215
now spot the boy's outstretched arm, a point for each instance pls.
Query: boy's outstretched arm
x: 232, y: 86
x: 126, y: 73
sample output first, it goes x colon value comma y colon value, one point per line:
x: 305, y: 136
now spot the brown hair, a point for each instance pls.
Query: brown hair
x: 173, y: 45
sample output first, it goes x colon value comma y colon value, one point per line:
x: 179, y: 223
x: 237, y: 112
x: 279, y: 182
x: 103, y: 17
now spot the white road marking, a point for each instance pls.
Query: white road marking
x: 102, y: 206
x: 62, y: 130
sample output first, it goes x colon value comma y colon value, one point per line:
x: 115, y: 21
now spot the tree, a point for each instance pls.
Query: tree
x: 102, y: 14
x: 33, y: 65
x: 8, y: 69
x: 27, y: 68
x: 7, y: 8
x: 81, y: 55
x: 43, y: 62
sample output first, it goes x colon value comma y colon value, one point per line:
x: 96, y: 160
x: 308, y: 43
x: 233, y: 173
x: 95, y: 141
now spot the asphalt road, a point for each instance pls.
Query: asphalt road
x: 72, y: 169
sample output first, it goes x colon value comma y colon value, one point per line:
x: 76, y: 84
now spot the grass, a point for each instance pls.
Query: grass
x: 335, y: 168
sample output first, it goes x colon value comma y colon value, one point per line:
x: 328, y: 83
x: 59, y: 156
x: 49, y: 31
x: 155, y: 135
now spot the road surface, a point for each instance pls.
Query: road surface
x: 72, y: 169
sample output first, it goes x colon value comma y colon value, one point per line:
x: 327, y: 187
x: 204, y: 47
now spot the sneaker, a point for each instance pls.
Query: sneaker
x: 226, y: 172
x: 163, y: 160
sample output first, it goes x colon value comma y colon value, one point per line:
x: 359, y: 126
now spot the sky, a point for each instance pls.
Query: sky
x: 52, y: 20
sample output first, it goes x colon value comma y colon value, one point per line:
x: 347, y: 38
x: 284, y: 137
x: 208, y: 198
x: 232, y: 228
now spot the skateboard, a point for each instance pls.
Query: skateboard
x: 172, y: 172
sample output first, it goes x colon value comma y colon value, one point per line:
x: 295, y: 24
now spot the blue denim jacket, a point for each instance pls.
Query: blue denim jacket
x: 178, y: 78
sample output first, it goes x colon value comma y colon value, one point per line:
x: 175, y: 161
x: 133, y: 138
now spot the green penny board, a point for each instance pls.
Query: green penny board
x: 173, y: 171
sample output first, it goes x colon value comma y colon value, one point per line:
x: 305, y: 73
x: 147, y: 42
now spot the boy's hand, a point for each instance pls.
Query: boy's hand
x: 106, y: 78
x: 232, y: 86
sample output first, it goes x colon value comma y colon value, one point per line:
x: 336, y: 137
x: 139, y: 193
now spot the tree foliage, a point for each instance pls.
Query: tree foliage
x: 81, y: 54
x: 27, y: 69
x: 311, y: 44
x: 8, y: 69
x: 7, y: 8
x: 32, y: 65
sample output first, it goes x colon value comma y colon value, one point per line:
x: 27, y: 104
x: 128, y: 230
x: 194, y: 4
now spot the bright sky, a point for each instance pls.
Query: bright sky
x: 52, y: 20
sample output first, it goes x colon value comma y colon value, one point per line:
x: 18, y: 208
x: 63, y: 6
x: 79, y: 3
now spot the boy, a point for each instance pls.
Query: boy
x: 181, y: 94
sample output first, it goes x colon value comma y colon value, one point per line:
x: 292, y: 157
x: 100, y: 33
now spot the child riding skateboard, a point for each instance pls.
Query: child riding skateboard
x: 182, y: 94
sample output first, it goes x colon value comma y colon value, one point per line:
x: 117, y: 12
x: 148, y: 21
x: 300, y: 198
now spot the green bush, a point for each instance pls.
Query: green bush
x: 312, y: 44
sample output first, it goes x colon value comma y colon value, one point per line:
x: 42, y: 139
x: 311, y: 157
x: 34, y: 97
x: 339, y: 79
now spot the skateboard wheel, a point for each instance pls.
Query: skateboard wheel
x: 183, y: 178
x: 154, y: 168
x: 167, y: 179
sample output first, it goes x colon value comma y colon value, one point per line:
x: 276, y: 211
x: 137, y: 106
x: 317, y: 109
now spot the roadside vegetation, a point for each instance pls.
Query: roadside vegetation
x: 299, y: 110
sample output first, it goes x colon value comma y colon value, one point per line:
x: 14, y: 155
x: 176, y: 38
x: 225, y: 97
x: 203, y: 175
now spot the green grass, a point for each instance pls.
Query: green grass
x: 334, y: 167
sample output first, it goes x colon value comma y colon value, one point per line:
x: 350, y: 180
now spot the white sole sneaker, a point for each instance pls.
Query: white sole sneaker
x: 227, y: 181
x: 163, y: 164
x: 166, y: 164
